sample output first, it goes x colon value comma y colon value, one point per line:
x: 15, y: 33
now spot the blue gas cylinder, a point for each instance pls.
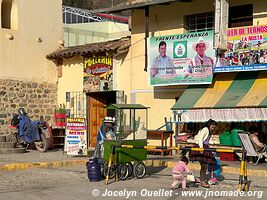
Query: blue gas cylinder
x: 93, y: 170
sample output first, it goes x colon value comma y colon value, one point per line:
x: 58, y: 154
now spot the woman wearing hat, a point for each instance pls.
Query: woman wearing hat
x: 106, y: 131
x: 201, y: 65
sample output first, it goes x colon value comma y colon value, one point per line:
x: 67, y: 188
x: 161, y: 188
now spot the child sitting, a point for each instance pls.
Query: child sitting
x: 178, y: 173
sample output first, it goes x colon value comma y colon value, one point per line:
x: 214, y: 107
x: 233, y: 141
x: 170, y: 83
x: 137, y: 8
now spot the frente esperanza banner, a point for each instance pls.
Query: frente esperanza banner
x: 181, y: 59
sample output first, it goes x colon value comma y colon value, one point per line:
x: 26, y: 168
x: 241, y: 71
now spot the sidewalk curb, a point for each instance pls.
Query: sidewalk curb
x: 22, y: 166
x: 148, y: 163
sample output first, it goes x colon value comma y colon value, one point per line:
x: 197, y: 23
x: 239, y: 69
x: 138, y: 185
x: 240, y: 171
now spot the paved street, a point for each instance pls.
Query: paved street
x: 72, y: 183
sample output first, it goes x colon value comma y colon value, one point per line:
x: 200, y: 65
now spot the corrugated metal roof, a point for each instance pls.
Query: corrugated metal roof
x: 116, y: 46
x: 133, y: 4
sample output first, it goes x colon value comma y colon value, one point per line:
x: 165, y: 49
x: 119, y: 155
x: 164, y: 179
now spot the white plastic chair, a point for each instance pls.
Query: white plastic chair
x: 262, y: 153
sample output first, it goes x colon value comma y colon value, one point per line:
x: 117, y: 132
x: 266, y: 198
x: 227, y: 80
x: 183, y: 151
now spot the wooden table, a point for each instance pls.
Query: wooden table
x: 163, y: 135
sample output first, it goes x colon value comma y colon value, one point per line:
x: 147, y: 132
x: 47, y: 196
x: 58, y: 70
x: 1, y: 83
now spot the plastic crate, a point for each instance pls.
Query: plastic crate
x: 227, y: 156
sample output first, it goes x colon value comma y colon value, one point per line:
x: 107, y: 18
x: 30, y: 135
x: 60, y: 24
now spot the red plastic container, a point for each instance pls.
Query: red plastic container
x: 57, y: 119
x: 60, y: 117
x: 227, y: 156
x: 57, y: 115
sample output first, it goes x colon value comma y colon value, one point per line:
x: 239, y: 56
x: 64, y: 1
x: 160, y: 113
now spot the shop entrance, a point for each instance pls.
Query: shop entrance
x: 97, y: 112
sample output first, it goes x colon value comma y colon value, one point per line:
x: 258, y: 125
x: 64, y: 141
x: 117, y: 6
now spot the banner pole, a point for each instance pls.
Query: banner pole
x: 241, y: 173
x: 246, y: 188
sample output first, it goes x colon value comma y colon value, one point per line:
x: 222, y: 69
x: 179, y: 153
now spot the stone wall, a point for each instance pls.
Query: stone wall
x: 39, y: 99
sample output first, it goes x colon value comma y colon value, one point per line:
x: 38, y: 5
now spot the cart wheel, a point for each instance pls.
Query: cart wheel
x: 139, y: 169
x: 112, y: 171
x: 123, y: 171
x: 130, y: 168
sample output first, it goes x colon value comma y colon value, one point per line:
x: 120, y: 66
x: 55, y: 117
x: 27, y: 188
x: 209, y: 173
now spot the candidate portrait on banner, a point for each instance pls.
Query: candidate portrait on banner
x: 162, y: 65
x: 201, y: 65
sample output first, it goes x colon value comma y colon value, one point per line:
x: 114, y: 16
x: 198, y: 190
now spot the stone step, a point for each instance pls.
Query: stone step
x: 12, y: 150
x: 2, y: 138
x: 7, y: 145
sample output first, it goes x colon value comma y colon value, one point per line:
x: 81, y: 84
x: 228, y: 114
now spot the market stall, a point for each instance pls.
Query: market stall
x: 232, y: 98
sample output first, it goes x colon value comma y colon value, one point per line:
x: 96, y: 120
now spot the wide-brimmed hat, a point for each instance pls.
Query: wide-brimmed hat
x: 109, y: 119
x: 200, y: 41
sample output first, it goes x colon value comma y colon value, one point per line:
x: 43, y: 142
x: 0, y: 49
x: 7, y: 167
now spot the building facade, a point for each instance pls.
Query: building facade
x: 89, y: 80
x: 151, y: 19
x: 29, y: 31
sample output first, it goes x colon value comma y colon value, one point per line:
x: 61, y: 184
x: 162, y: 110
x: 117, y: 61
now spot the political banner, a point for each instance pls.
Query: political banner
x: 247, y: 50
x: 181, y: 59
x: 76, y: 137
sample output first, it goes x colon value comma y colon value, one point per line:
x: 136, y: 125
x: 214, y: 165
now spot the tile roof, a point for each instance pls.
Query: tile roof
x: 116, y: 47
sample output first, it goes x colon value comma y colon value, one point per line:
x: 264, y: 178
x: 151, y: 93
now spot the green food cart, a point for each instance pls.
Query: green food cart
x: 130, y: 129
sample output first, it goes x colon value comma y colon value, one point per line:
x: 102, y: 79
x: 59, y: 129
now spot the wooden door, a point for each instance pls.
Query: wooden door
x: 97, y: 113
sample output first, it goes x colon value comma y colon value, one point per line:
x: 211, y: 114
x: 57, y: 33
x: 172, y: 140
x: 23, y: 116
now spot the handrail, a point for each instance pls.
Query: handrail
x: 243, y: 174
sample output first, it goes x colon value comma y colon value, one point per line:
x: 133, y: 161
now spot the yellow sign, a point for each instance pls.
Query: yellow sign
x: 98, y: 74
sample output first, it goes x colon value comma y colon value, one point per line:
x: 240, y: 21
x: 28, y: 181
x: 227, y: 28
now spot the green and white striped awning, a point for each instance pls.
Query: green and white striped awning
x: 231, y: 97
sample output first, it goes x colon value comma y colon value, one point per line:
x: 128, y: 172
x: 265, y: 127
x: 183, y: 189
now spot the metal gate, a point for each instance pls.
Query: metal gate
x: 76, y: 104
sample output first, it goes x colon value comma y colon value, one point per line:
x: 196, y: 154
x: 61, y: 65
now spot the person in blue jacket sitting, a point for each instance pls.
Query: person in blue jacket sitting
x: 106, y: 131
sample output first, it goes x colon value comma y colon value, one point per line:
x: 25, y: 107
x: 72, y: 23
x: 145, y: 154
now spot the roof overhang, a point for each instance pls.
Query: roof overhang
x: 135, y: 4
x: 126, y: 106
x: 115, y: 47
